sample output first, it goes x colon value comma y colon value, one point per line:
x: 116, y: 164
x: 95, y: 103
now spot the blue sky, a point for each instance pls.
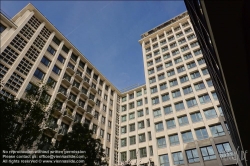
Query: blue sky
x: 106, y: 32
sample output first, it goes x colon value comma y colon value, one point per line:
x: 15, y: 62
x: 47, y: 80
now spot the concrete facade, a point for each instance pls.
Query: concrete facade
x: 158, y: 122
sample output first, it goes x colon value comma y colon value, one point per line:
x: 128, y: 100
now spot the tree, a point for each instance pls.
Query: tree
x: 80, y: 138
x: 21, y: 118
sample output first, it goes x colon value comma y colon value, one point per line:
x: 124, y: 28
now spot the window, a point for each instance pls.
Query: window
x: 179, y: 106
x: 156, y: 52
x: 163, y: 42
x: 176, y: 93
x: 152, y: 80
x: 187, y: 56
x: 103, y: 120
x: 187, y: 136
x: 179, y: 34
x: 56, y: 70
x: 51, y: 50
x: 171, y: 38
x: 138, y: 93
x: 177, y: 28
x: 131, y: 105
x: 143, y: 152
x: 197, y: 52
x: 170, y: 73
x: 166, y: 56
x: 88, y: 71
x: 146, y: 100
x: 148, y: 123
x: 173, y: 45
x: 183, y: 120
x: 132, y: 140
x: 220, y: 110
x: 208, y: 153
x: 74, y: 57
x: 168, y: 109
x: 196, y: 117
x: 191, y: 102
x: 51, y: 82
x: 155, y: 100
x: 201, y: 133
x: 191, y: 65
x: 39, y: 74
x: 214, y: 95
x: 159, y: 68
x: 159, y: 126
x: 224, y: 150
x: 101, y: 133
x: 131, y: 96
x: 217, y: 130
x: 94, y: 128
x: 204, y: 71
x: 173, y: 82
x: 182, y: 41
x: 195, y: 75
x: 124, y: 118
x: 183, y: 78
x: 165, y: 97
x: 190, y: 37
x: 201, y: 61
x: 209, y: 83
x: 180, y: 69
x: 174, y: 139
x: 194, y: 44
x: 192, y: 156
x: 178, y: 158
x: 142, y: 138
x: 151, y: 71
x: 81, y: 64
x: 45, y: 61
x: 132, y: 154
x: 123, y: 130
x: 161, y: 76
x: 163, y: 86
x: 132, y: 127
x: 141, y: 125
x: 109, y: 124
x: 153, y: 89
x: 149, y: 56
x: 199, y: 86
x: 123, y: 142
x: 157, y: 113
x: 187, y: 90
x: 157, y: 60
x: 65, y: 49
x: 56, y: 40
x: 177, y: 60
x: 132, y: 116
x: 204, y: 98
x: 171, y: 123
x: 149, y: 136
x: 168, y: 64
x: 139, y: 103
x: 107, y: 152
x: 175, y: 52
x: 164, y: 161
x: 123, y: 156
x: 2, y: 28
x: 124, y: 99
x: 161, y: 142
x: 140, y: 113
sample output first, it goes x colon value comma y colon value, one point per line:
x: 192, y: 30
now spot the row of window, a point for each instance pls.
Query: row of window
x: 132, y: 96
x: 207, y: 152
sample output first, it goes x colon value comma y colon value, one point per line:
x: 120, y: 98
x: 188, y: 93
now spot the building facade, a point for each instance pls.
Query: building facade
x: 174, y: 119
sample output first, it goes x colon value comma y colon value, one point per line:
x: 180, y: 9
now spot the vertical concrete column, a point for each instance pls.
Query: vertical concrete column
x: 5, y: 41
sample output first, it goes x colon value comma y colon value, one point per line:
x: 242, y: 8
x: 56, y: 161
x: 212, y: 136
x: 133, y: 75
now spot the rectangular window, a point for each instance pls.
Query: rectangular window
x: 56, y: 70
x: 201, y: 133
x: 51, y: 82
x: 132, y: 127
x: 209, y: 83
x: 168, y: 64
x: 171, y: 124
x: 187, y: 90
x: 191, y: 102
x: 140, y: 113
x: 132, y: 154
x: 208, y: 153
x: 180, y: 69
x: 176, y: 93
x: 152, y: 80
x: 159, y: 127
x: 2, y: 28
x: 224, y: 150
x: 157, y: 113
x: 161, y: 142
x: 123, y: 142
x: 187, y: 56
x: 183, y: 120
x: 168, y: 109
x: 192, y: 156
x: 123, y: 130
x: 196, y: 117
x: 164, y: 161
x: 139, y: 103
x: 142, y: 138
x: 39, y: 74
x: 191, y: 65
x: 165, y: 97
x: 143, y: 152
x: 155, y: 100
x: 174, y: 139
x: 178, y: 158
x: 45, y: 61
x: 132, y: 140
x: 124, y: 118
x: 204, y: 99
x: 195, y: 75
x: 141, y: 125
x: 210, y: 113
x: 123, y: 156
x: 184, y: 79
x: 163, y: 86
x: 217, y: 130
x: 187, y: 136
x: 131, y: 105
x: 173, y: 83
x: 51, y: 50
x: 132, y: 116
x: 149, y: 136
x: 170, y: 73
x: 179, y: 106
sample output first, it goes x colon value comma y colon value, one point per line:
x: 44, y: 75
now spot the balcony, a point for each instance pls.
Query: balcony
x: 93, y: 88
x: 77, y: 119
x: 92, y: 99
x: 67, y: 115
x: 84, y: 93
x: 70, y: 69
x: 72, y: 100
x: 90, y: 112
x: 66, y: 80
x: 86, y: 82
x: 62, y: 131
x: 57, y: 110
x: 81, y: 106
x: 51, y: 128
x: 62, y: 93
x: 75, y: 87
x: 79, y: 75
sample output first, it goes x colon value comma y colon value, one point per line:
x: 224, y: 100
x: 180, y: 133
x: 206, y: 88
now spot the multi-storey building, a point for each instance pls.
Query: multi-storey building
x: 173, y: 119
